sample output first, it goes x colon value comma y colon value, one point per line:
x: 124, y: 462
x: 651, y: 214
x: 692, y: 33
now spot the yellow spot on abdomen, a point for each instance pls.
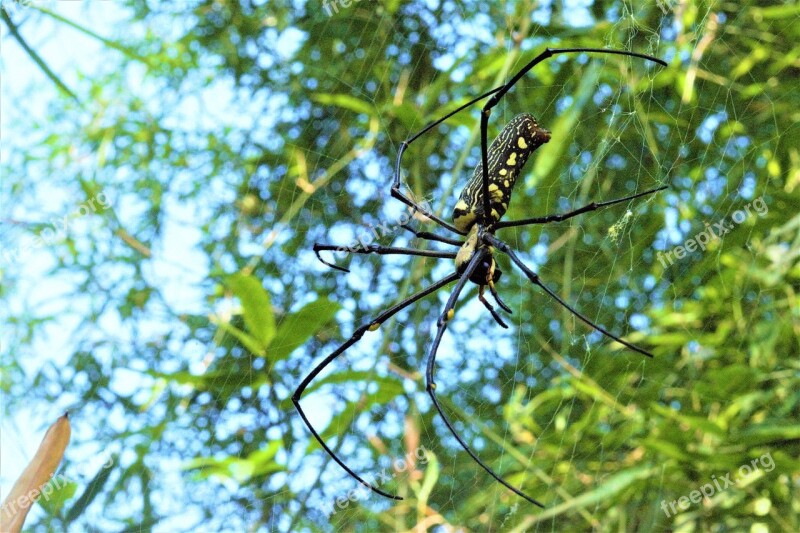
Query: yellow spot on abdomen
x: 503, y: 172
x: 521, y: 143
x: 512, y: 159
x: 464, y: 221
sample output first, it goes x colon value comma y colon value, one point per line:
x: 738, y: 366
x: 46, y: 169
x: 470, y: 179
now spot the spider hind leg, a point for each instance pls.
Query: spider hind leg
x: 464, y: 276
x: 357, y: 334
x: 534, y: 278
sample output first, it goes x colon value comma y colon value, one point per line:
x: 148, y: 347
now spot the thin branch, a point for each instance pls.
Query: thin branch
x: 13, y: 28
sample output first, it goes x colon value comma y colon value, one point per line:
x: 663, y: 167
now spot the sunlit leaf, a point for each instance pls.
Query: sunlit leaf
x: 256, y: 306
x: 297, y: 327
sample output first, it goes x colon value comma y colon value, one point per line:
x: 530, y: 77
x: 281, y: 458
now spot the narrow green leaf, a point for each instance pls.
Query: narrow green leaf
x: 345, y: 101
x: 769, y: 433
x: 549, y: 154
x: 258, y: 463
x: 363, y: 377
x: 298, y: 327
x: 695, y: 422
x: 786, y: 11
x: 129, y: 52
x: 668, y: 449
x: 94, y: 488
x: 256, y: 307
x: 604, y: 493
x: 249, y: 342
x: 431, y: 476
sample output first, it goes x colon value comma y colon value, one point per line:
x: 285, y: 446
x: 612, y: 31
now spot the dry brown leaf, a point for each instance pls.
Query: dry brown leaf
x: 411, y: 437
x: 42, y: 467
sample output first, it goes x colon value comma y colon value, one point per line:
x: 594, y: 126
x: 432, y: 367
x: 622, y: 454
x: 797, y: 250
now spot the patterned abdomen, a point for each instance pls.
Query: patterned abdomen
x: 507, y: 155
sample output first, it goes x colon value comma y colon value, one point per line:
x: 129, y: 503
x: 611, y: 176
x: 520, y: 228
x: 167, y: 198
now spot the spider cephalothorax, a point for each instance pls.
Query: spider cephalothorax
x: 476, y: 217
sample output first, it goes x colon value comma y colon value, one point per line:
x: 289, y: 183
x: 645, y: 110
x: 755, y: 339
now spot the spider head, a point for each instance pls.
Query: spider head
x: 487, y: 270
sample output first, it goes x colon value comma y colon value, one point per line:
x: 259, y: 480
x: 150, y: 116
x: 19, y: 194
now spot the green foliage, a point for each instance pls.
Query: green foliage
x: 231, y: 136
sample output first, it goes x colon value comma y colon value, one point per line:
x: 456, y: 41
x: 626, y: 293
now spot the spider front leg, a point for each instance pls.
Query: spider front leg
x: 371, y: 326
x: 498, y: 95
x: 376, y: 249
x: 497, y: 299
x: 431, y: 236
x: 431, y: 384
x: 585, y: 209
x: 395, y: 189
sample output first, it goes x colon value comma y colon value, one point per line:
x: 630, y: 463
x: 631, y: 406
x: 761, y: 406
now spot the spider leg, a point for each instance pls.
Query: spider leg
x: 431, y: 385
x: 488, y: 306
x: 585, y: 209
x: 431, y: 236
x: 498, y: 95
x: 377, y: 249
x: 534, y: 278
x: 396, y: 193
x: 373, y: 325
x: 497, y: 299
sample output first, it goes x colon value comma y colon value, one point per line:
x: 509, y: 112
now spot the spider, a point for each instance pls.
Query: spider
x: 476, y: 217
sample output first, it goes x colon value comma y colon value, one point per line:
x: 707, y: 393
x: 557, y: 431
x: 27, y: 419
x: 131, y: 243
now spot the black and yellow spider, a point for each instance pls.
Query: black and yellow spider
x: 476, y: 216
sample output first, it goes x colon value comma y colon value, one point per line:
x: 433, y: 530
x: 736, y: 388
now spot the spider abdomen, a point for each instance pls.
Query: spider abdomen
x: 506, y: 156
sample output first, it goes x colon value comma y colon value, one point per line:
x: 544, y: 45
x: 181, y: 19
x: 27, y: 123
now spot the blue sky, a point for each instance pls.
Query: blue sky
x: 26, y: 92
x: 177, y: 268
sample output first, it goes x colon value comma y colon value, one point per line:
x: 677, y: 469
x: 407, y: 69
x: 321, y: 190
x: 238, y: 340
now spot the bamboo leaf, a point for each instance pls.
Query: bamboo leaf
x: 298, y: 327
x: 256, y: 307
x: 94, y: 488
x: 345, y: 101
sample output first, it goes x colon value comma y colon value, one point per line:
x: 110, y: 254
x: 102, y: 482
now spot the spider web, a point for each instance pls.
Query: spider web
x: 548, y: 403
x: 527, y: 399
x: 496, y: 374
